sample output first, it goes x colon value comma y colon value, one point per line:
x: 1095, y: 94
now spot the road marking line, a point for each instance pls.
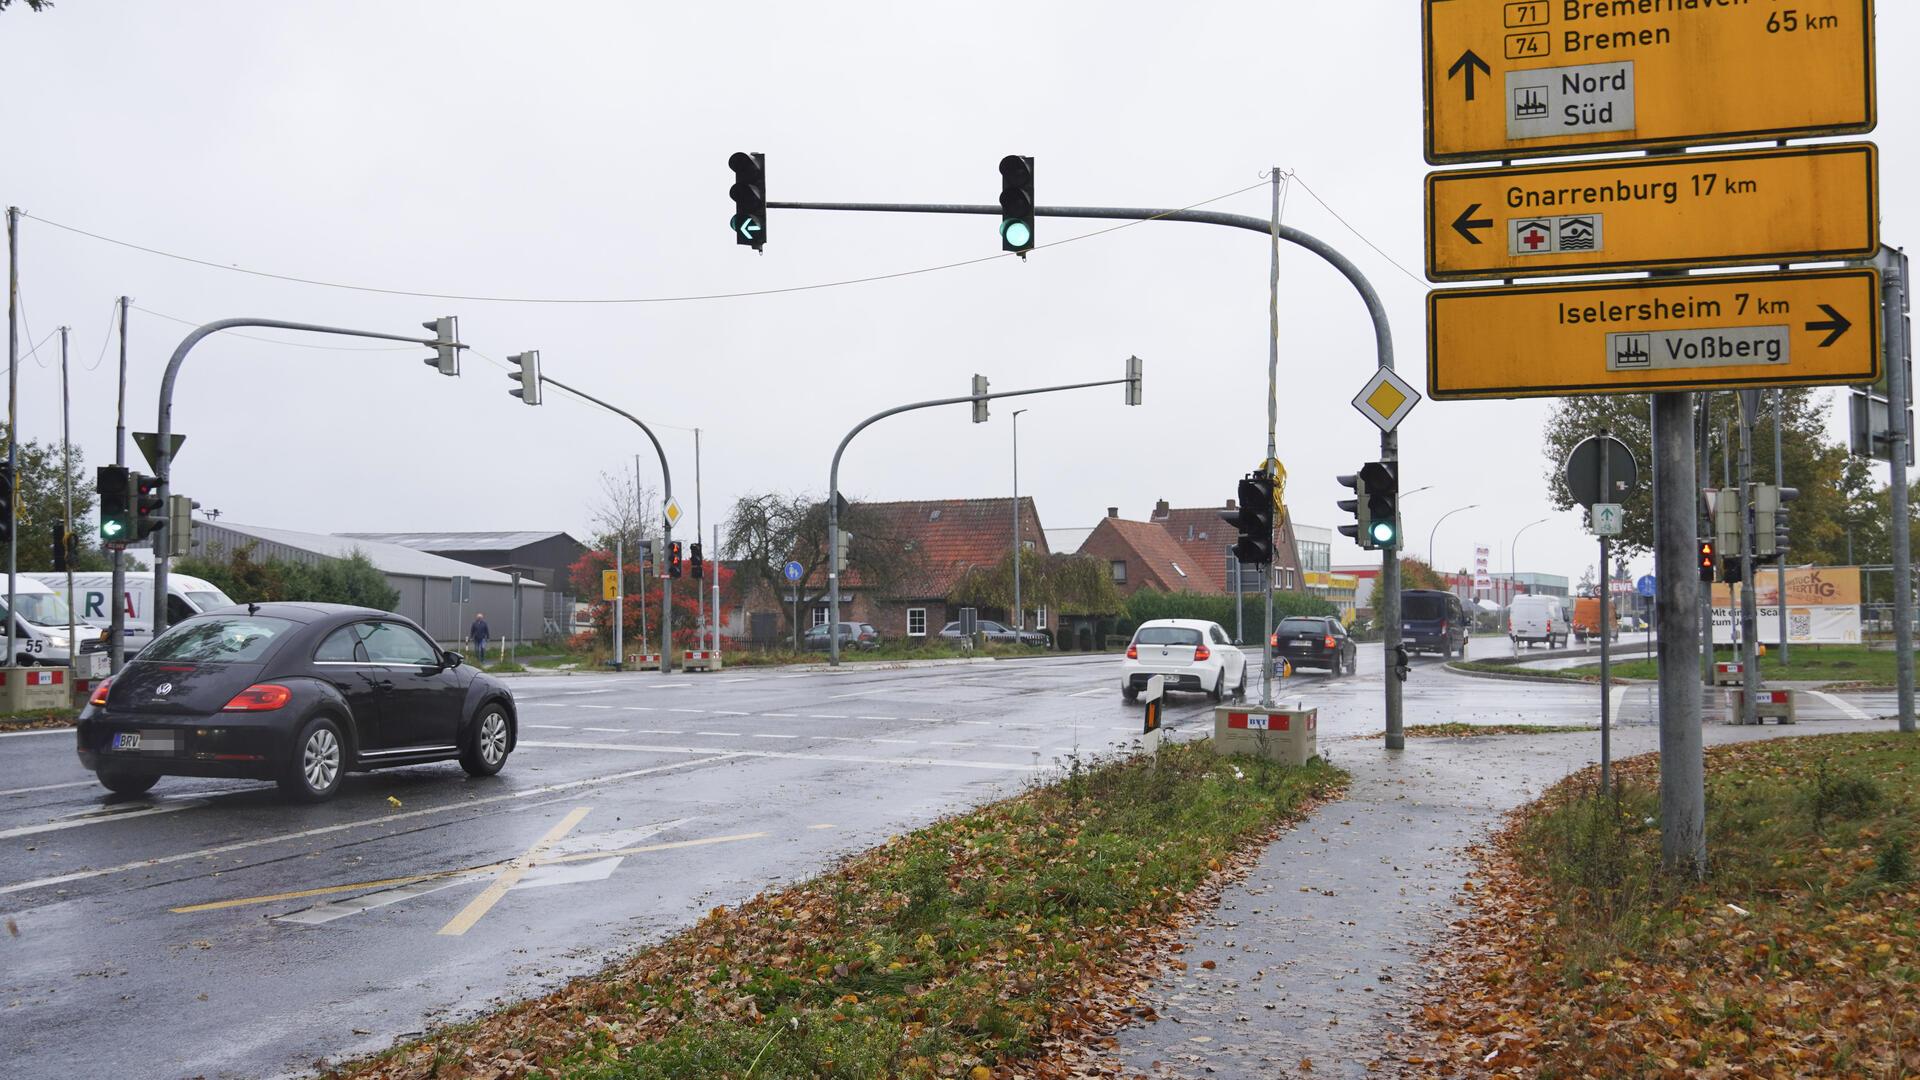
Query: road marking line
x: 37, y: 731
x: 1013, y: 746
x: 48, y: 787
x: 553, y: 727
x: 669, y: 686
x: 977, y: 723
x: 730, y: 712
x: 720, y: 734
x: 687, y: 710
x: 95, y: 819
x: 579, y: 693
x: 384, y: 819
x: 584, y: 705
x: 765, y: 735
x: 1852, y: 711
x: 925, y: 720
x: 896, y: 742
x: 1095, y: 690
x: 826, y: 716
x: 639, y: 708
x: 606, y: 730
x: 788, y: 755
x: 821, y: 826
x: 779, y: 715
x: 660, y: 731
x: 515, y: 870
x: 862, y: 693
x: 1617, y: 697
x: 876, y: 718
x: 933, y: 743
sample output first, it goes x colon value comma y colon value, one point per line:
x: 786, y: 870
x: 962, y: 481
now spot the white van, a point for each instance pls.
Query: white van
x: 1534, y: 618
x: 40, y: 627
x: 186, y: 596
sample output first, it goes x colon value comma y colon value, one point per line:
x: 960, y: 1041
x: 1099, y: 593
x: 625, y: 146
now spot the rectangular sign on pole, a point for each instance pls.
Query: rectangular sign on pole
x: 1804, y: 328
x: 1508, y: 79
x: 1797, y: 204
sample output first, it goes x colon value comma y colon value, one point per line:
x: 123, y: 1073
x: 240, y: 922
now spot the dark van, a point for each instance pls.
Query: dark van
x: 1432, y: 620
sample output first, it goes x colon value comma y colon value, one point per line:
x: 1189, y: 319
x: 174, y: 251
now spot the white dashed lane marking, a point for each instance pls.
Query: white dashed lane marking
x: 553, y: 727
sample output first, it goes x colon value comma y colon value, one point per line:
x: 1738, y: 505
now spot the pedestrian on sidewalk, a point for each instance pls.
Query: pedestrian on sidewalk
x: 478, y: 633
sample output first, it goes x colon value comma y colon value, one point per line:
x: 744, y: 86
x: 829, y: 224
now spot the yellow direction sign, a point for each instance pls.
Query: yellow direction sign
x: 609, y: 585
x: 1806, y: 328
x: 1511, y: 79
x: 1802, y: 204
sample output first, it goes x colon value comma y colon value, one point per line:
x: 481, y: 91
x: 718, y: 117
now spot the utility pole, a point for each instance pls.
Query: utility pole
x: 1019, y: 611
x: 1896, y: 289
x: 1749, y: 603
x: 1273, y: 455
x: 620, y: 603
x: 1779, y: 550
x: 699, y: 596
x: 1703, y: 478
x: 1683, y: 799
x: 66, y: 482
x: 117, y: 634
x: 13, y: 416
x: 1606, y: 617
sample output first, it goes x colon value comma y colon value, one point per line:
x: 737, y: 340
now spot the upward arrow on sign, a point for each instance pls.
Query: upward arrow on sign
x: 1468, y: 61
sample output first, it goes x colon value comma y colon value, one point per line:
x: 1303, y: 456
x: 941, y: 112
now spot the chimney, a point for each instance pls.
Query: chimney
x: 1231, y: 505
x: 1113, y: 511
x: 1160, y: 510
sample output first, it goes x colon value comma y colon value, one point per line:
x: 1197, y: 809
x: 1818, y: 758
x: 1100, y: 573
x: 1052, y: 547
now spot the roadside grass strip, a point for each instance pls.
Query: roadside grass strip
x: 1852, y: 666
x: 1454, y: 729
x: 1799, y: 955
x: 991, y: 942
x: 37, y: 719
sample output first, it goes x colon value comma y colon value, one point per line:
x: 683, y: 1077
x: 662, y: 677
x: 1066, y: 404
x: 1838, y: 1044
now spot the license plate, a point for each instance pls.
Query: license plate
x: 127, y: 740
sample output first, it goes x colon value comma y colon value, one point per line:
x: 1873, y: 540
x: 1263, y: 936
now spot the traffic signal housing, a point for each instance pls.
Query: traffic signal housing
x: 114, y: 486
x: 149, y: 512
x: 979, y: 399
x: 1016, y: 204
x: 66, y: 548
x: 699, y: 564
x: 749, y: 192
x: 1359, y: 532
x: 673, y: 559
x: 6, y: 503
x: 527, y: 376
x: 1709, y: 562
x: 446, y: 344
x: 1133, y: 380
x: 1382, y: 482
x: 1252, y: 515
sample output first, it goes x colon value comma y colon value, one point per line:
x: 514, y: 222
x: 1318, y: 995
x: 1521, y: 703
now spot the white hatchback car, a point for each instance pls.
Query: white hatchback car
x: 1193, y: 654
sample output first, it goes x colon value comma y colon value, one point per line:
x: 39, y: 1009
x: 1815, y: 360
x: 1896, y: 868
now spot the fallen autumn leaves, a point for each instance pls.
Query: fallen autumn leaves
x: 990, y: 941
x: 1799, y: 956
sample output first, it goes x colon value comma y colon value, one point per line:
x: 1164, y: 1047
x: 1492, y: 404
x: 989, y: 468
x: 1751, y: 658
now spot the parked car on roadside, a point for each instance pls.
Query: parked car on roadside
x: 297, y: 693
x: 999, y: 634
x: 1313, y: 641
x: 860, y: 636
x: 1191, y: 654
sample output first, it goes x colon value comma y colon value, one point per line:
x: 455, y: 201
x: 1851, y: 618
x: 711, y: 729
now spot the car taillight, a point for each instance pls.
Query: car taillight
x: 1133, y: 652
x: 260, y: 697
x: 1200, y: 652
x: 100, y: 692
x: 1330, y: 642
x: 1443, y: 626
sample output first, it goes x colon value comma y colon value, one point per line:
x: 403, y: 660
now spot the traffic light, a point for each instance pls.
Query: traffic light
x: 149, y: 513
x: 1358, y: 506
x: 180, y: 526
x: 1402, y: 662
x: 66, y: 548
x: 749, y: 194
x: 843, y: 544
x: 1770, y: 518
x: 1016, y: 204
x: 528, y: 376
x: 1383, y: 504
x: 6, y: 503
x: 1252, y: 515
x: 446, y: 344
x: 1709, y: 562
x: 1782, y: 533
x: 673, y: 558
x: 699, y: 564
x: 1133, y: 380
x: 114, y: 486
x: 979, y: 399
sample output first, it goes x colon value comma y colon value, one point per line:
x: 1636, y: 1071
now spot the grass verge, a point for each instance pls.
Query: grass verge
x: 1798, y: 956
x: 1509, y: 667
x: 33, y: 719
x: 974, y: 944
x: 1811, y: 663
x: 1456, y: 730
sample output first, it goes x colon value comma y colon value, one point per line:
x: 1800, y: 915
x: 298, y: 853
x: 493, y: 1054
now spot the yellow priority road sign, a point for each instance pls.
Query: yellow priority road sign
x: 1519, y: 78
x: 1805, y: 328
x: 1798, y: 204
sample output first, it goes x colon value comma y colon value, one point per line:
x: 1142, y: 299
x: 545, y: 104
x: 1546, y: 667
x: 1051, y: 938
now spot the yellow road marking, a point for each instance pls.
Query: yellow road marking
x: 509, y: 876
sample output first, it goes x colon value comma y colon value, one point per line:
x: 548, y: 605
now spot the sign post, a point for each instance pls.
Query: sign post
x: 1599, y: 471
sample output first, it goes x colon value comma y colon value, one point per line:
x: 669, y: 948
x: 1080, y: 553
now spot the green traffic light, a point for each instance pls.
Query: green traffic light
x: 1016, y: 232
x: 1382, y: 533
x: 110, y: 528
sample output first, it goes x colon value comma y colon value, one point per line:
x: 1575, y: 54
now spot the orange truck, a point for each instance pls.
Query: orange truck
x: 1586, y: 619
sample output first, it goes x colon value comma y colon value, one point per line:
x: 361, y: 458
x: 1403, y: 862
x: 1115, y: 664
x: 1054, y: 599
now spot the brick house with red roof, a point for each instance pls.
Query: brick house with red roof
x: 1182, y: 550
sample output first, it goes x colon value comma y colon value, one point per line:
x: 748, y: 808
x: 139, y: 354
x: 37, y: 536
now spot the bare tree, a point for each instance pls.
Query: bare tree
x: 766, y: 531
x: 626, y: 510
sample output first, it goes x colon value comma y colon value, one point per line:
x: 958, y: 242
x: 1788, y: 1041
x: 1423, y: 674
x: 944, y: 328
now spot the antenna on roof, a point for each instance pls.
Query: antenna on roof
x: 253, y: 608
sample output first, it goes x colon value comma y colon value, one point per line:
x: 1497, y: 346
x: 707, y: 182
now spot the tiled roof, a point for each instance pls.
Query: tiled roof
x: 949, y: 536
x: 1204, y: 539
x: 1168, y: 564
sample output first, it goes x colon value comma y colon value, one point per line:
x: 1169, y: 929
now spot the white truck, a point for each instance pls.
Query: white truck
x: 40, y: 627
x: 1536, y: 618
x: 92, y: 606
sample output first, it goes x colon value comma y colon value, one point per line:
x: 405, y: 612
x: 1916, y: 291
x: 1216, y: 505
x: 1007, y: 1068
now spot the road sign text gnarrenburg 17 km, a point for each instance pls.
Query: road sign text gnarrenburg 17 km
x: 1796, y: 328
x: 1520, y: 78
x: 1743, y: 208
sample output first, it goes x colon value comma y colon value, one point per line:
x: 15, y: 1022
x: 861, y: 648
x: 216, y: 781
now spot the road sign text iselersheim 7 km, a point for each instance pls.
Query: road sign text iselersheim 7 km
x: 1744, y: 208
x: 1793, y: 328
x: 1526, y: 78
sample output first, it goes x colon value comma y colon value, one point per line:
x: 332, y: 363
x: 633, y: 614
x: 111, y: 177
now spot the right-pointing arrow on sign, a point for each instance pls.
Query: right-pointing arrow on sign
x: 1466, y: 222
x: 1835, y: 323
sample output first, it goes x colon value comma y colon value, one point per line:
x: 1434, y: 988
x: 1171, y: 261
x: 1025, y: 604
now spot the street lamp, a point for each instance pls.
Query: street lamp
x: 1512, y: 548
x: 1436, y: 528
x: 1019, y: 612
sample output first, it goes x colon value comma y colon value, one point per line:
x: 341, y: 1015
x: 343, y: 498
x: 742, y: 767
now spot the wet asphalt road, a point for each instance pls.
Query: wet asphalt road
x: 209, y: 929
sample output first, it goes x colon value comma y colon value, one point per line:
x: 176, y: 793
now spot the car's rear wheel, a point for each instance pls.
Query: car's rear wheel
x: 1130, y: 693
x: 1241, y: 690
x: 1353, y: 663
x: 319, y: 762
x: 486, y: 749
x: 126, y: 783
x: 1219, y: 691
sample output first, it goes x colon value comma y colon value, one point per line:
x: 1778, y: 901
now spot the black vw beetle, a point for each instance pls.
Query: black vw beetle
x: 297, y: 693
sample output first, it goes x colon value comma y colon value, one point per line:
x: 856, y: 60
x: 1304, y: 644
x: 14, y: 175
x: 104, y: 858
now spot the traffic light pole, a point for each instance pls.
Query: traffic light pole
x: 666, y: 541
x: 833, y: 488
x: 1779, y: 549
x: 1895, y: 290
x: 163, y: 445
x: 1749, y: 603
x: 13, y: 416
x: 117, y: 634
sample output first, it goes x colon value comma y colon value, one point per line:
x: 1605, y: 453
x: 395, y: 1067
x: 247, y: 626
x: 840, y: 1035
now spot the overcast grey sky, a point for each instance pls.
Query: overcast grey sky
x: 579, y: 150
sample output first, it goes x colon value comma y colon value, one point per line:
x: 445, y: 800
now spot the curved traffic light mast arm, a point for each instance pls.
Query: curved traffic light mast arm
x: 163, y: 448
x: 666, y: 481
x: 833, y: 487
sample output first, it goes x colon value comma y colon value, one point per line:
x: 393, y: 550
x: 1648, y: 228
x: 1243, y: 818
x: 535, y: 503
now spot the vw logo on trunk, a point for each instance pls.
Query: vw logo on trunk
x: 163, y: 689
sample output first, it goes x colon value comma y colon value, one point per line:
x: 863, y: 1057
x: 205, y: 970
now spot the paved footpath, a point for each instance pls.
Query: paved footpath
x: 1317, y: 952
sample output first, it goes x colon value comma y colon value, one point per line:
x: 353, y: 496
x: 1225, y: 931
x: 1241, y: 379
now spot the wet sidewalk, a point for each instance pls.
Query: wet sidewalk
x: 1316, y: 955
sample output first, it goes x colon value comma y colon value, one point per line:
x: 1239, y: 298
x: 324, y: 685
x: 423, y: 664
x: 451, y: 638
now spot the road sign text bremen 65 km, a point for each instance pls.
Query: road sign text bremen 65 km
x: 1798, y: 204
x: 1802, y: 328
x: 1509, y: 79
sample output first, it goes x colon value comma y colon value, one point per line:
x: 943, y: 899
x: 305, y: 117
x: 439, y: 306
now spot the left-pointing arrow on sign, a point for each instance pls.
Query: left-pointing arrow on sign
x: 1834, y: 322
x: 749, y: 227
x: 1466, y: 223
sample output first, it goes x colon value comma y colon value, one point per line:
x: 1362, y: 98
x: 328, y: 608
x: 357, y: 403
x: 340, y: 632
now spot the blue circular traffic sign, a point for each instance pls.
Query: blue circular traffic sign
x: 794, y: 570
x: 1644, y: 586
